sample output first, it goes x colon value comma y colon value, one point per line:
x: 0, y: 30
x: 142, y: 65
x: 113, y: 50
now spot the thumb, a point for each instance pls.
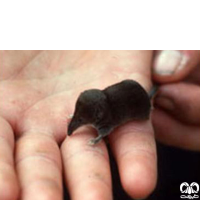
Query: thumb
x: 181, y: 101
x: 170, y: 66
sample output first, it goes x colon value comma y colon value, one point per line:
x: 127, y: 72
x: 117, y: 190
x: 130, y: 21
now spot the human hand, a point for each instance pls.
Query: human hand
x: 38, y: 91
x: 176, y: 115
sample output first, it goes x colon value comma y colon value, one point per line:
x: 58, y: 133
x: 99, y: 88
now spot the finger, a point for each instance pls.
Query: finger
x: 38, y: 165
x: 170, y: 66
x: 87, y: 170
x: 9, y: 188
x: 133, y: 144
x: 174, y: 133
x: 134, y: 148
x: 180, y: 100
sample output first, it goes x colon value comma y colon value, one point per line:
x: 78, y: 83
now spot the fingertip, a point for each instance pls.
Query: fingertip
x: 134, y: 148
x: 170, y: 66
x: 139, y: 180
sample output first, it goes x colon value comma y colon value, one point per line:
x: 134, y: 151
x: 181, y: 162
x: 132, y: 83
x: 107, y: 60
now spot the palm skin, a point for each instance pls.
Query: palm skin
x: 38, y: 91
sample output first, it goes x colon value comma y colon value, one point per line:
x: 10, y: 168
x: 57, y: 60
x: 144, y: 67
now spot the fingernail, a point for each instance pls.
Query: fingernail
x: 164, y: 103
x: 169, y: 62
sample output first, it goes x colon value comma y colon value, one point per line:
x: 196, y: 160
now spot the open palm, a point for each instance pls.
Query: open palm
x: 38, y: 91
